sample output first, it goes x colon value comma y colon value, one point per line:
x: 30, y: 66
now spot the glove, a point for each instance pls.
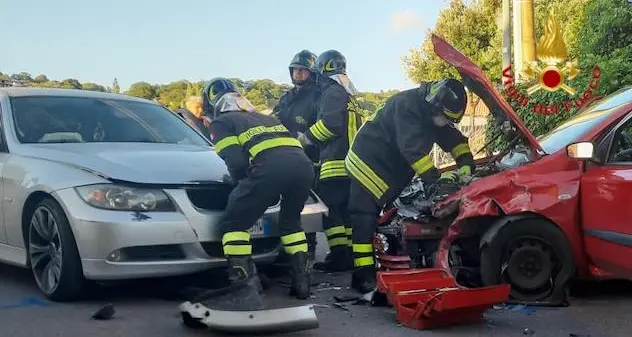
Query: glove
x: 449, y: 176
x: 304, y: 140
x: 465, y: 174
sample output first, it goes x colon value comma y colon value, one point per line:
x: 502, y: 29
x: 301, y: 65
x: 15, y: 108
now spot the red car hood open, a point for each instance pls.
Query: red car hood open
x: 476, y: 81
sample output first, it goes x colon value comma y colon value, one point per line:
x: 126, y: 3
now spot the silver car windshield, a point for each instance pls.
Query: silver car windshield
x: 52, y: 119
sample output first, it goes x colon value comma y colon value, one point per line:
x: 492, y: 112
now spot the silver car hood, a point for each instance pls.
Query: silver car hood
x: 144, y: 163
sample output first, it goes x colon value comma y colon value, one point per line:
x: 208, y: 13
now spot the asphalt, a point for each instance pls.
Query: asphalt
x: 144, y: 309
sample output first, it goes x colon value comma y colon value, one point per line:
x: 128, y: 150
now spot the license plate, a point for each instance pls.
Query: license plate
x: 258, y: 229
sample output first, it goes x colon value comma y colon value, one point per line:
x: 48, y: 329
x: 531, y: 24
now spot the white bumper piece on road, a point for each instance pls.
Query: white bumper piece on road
x: 272, y: 320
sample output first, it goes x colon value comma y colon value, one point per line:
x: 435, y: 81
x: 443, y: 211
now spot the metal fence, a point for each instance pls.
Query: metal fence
x: 472, y: 127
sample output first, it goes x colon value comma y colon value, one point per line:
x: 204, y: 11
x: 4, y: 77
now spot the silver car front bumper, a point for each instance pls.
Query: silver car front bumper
x: 115, y: 245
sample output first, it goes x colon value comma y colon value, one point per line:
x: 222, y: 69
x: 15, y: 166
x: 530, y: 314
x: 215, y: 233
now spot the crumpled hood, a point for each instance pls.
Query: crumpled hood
x: 475, y: 80
x: 144, y: 163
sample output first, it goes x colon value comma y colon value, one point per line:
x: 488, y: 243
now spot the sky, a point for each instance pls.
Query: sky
x: 96, y: 41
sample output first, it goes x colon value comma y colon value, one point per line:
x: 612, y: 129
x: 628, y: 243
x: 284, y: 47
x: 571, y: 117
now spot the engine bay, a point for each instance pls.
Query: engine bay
x: 409, y: 228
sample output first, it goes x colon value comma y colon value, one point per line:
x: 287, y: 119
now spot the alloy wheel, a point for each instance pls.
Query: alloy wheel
x: 45, y: 249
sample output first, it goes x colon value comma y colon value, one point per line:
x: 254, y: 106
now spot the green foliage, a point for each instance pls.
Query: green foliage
x: 263, y: 94
x: 596, y: 32
x: 472, y: 29
x: 142, y: 90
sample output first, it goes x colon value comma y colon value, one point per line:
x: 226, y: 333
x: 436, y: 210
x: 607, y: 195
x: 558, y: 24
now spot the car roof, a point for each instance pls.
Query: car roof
x: 30, y: 91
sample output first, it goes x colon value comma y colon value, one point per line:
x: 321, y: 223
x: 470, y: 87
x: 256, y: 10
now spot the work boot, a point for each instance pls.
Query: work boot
x: 243, y: 292
x: 363, y: 279
x: 299, y: 263
x: 339, y: 259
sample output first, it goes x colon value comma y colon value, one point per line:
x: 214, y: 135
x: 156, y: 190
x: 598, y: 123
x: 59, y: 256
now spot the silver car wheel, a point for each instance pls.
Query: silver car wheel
x: 45, y: 249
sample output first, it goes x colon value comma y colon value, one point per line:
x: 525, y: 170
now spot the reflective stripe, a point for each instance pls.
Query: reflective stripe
x: 453, y: 115
x: 237, y: 250
x: 293, y: 238
x: 365, y: 175
x: 423, y: 165
x: 337, y: 242
x: 235, y: 236
x: 363, y: 179
x: 363, y: 261
x: 352, y: 127
x: 335, y: 230
x: 272, y: 143
x: 460, y: 150
x: 257, y: 130
x: 333, y: 168
x: 296, y: 248
x: 320, y: 131
x: 226, y: 142
x: 362, y: 248
x: 349, y: 232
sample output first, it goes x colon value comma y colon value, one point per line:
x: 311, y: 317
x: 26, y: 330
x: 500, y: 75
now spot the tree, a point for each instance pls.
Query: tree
x: 70, y: 83
x: 142, y: 90
x: 473, y: 30
x: 115, y: 86
x: 92, y: 87
x: 41, y: 78
x: 22, y: 76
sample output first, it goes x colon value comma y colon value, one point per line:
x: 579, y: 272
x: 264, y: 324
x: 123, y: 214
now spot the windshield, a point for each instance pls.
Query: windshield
x: 49, y: 119
x: 577, y: 126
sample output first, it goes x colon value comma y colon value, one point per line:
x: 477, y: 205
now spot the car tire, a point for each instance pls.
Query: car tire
x: 535, y: 257
x: 48, y: 231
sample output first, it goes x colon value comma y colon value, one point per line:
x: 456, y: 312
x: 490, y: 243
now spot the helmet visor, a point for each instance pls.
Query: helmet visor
x: 232, y: 101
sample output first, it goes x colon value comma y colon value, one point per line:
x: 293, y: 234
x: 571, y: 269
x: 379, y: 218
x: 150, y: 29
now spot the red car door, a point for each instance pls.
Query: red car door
x: 606, y: 204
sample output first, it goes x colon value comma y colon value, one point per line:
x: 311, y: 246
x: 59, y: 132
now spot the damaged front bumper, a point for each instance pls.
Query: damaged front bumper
x: 291, y: 319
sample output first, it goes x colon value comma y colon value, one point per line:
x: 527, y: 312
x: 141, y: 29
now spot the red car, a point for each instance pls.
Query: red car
x: 545, y: 210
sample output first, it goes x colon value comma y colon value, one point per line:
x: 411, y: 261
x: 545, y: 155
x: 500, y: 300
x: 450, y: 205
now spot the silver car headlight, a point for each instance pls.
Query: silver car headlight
x: 123, y: 198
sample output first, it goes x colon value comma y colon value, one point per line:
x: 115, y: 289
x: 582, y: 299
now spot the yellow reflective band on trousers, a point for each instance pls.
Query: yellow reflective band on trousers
x: 336, y: 236
x: 363, y: 261
x: 365, y: 175
x: 349, y: 232
x: 293, y: 238
x: 236, y: 243
x: 332, y: 169
x: 257, y: 130
x: 272, y: 143
x: 362, y: 248
x: 460, y: 150
x: 321, y: 132
x: 423, y: 165
x: 226, y: 142
x: 295, y: 242
x: 235, y: 236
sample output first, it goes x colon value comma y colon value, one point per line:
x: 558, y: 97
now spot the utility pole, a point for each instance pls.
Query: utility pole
x: 506, y: 29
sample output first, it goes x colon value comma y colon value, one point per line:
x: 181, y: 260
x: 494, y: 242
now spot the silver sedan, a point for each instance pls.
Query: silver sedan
x: 98, y: 186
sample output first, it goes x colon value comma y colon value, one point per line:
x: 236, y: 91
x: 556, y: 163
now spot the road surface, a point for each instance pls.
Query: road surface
x: 141, y: 310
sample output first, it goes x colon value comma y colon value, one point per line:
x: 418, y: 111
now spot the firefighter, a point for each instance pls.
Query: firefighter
x: 391, y: 147
x: 333, y: 132
x: 265, y: 162
x: 297, y: 109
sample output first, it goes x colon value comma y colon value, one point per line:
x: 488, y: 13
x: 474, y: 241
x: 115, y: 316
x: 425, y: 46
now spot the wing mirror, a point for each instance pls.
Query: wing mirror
x: 581, y: 150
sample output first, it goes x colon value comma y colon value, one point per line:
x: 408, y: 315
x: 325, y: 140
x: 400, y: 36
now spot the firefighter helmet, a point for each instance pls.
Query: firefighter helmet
x: 331, y: 62
x: 305, y: 59
x: 449, y: 98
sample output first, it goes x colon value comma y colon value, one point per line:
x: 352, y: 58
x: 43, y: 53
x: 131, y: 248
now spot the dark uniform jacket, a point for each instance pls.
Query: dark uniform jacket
x: 297, y: 108
x: 334, y: 129
x: 395, y: 143
x: 243, y: 139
